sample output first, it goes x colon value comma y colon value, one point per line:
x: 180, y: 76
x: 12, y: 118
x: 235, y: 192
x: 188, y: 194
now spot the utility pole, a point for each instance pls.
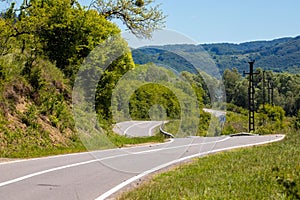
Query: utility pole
x: 251, y: 93
x: 270, y: 93
x: 263, y: 90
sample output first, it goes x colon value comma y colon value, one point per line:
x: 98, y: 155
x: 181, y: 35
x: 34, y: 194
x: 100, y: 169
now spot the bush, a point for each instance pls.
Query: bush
x: 274, y: 113
x: 270, y: 119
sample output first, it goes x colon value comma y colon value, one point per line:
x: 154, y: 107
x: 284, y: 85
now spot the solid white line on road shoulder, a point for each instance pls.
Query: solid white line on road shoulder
x: 92, y: 161
x: 127, y: 182
x: 76, y: 154
x: 152, y: 127
x: 133, y: 125
x: 55, y: 169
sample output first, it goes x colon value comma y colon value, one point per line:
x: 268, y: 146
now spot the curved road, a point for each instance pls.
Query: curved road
x: 136, y: 128
x: 99, y: 174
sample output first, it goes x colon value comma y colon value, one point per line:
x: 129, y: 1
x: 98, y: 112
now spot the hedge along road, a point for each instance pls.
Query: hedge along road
x: 99, y: 174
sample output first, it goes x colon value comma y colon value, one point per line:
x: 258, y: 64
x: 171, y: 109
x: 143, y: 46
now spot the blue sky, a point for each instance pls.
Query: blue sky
x: 236, y: 21
x: 212, y: 21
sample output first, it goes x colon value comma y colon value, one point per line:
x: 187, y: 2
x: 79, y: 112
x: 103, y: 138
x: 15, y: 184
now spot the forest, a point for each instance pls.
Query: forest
x: 279, y: 55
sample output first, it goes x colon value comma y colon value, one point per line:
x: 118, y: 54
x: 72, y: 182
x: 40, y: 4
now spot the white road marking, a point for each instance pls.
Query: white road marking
x: 177, y: 147
x: 75, y: 154
x: 152, y: 127
x: 129, y: 127
x: 96, y: 160
x: 54, y: 169
x: 120, y: 186
x: 113, y: 190
x: 42, y: 158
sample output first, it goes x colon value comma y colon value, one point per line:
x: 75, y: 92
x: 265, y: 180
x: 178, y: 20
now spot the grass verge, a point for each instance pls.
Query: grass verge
x: 27, y: 150
x: 263, y: 172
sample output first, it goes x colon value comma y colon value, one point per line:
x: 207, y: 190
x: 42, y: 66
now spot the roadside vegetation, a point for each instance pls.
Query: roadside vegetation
x: 263, y: 172
x: 42, y: 46
x: 44, y: 43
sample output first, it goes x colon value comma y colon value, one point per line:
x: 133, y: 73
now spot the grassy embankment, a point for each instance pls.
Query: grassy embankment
x: 263, y: 172
x: 35, y: 111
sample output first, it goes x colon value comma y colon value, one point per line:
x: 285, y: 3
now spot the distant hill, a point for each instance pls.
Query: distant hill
x: 280, y: 55
x: 162, y: 57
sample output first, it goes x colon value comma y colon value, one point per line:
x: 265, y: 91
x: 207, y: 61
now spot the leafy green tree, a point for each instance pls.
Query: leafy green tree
x: 240, y: 97
x: 5, y: 39
x: 197, y: 84
x: 288, y: 87
x: 231, y: 79
x: 108, y: 82
x: 153, y: 94
x: 141, y: 17
x: 68, y: 32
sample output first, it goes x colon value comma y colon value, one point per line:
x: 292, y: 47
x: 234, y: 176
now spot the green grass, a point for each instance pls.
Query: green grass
x: 263, y: 172
x: 35, y: 144
x: 32, y: 149
x: 172, y: 126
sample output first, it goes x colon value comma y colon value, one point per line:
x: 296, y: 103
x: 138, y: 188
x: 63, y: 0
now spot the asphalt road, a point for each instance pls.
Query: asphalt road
x: 216, y: 113
x: 136, y: 128
x: 99, y: 174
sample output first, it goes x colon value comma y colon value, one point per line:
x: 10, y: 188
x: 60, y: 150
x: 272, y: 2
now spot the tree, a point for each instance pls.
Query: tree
x: 62, y: 30
x: 231, y: 79
x: 240, y: 97
x: 139, y: 16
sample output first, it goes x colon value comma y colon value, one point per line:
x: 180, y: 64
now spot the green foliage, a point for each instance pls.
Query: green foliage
x: 286, y: 89
x: 297, y: 121
x: 108, y: 82
x: 28, y: 125
x: 39, y: 41
x: 270, y: 119
x: 177, y: 128
x: 152, y: 94
x: 235, y: 122
x: 148, y: 90
x: 68, y: 33
x: 230, y: 79
x: 290, y: 183
x: 29, y: 118
x: 279, y: 55
x: 5, y: 40
x: 162, y: 57
x: 274, y: 113
x: 236, y: 109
